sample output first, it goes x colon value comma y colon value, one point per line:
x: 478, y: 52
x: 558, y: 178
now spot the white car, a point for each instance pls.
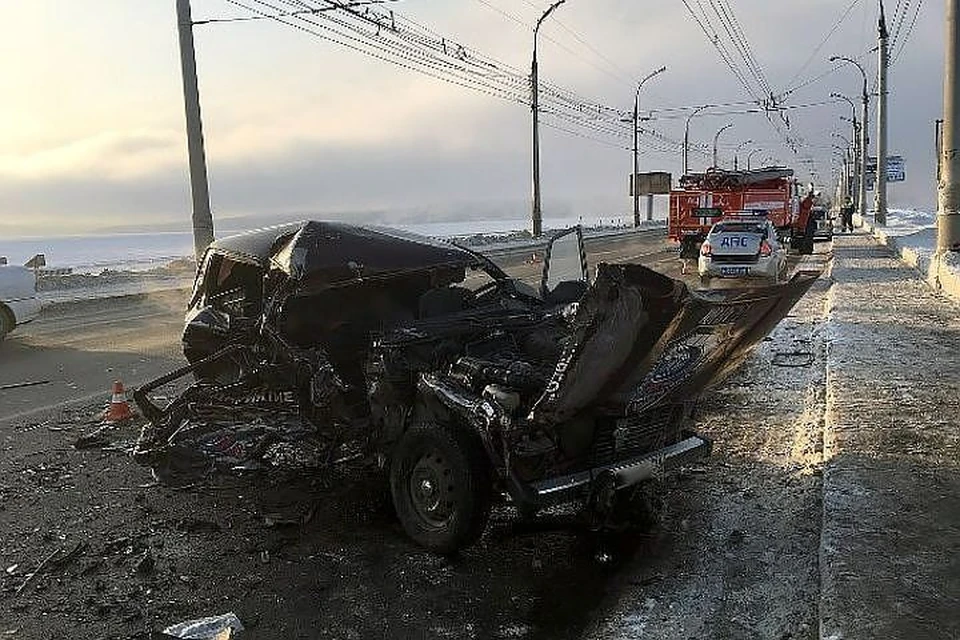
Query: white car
x: 18, y: 297
x: 742, y: 247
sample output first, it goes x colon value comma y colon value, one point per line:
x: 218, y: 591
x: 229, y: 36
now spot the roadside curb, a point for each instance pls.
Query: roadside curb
x: 825, y: 551
x: 941, y: 276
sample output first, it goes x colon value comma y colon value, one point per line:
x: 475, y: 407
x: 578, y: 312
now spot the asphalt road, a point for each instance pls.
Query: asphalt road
x: 82, y: 347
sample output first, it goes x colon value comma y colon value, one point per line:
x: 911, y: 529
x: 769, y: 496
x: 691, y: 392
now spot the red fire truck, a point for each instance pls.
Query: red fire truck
x: 705, y: 198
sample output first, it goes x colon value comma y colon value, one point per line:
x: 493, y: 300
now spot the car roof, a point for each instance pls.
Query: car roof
x: 338, y: 250
x: 257, y: 245
x: 759, y: 222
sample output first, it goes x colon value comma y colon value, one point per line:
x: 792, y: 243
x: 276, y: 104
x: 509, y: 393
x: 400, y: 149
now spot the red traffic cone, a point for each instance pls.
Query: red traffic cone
x: 119, y: 409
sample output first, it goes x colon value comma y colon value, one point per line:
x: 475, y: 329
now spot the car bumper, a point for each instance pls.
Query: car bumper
x: 24, y: 310
x: 763, y: 268
x: 622, y: 474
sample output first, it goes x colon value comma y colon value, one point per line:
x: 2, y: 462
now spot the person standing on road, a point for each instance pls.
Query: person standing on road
x: 846, y: 215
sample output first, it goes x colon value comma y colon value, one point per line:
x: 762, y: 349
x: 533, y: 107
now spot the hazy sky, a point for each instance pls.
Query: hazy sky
x: 91, y: 119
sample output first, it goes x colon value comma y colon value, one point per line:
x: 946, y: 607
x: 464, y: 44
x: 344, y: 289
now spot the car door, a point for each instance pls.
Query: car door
x: 565, y: 276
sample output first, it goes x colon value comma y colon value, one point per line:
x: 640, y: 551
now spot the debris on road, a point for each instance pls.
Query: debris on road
x: 793, y: 359
x: 146, y: 563
x: 58, y: 558
x: 213, y: 628
x: 23, y: 385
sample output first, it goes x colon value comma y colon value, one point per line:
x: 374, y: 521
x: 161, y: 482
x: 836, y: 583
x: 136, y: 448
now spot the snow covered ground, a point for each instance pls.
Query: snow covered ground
x: 913, y: 235
x: 163, y: 274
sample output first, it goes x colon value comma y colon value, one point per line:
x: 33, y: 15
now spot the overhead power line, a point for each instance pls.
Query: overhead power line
x: 900, y: 12
x: 820, y: 76
x: 908, y: 33
x: 390, y: 37
x: 836, y: 25
x: 612, y: 69
x: 352, y: 3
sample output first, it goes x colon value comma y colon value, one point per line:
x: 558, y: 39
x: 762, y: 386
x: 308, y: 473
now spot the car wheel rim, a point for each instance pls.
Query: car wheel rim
x: 432, y: 489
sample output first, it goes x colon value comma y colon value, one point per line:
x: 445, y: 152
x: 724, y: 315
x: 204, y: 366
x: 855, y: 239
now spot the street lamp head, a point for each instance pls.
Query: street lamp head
x: 649, y: 76
x: 724, y: 128
x: 546, y: 14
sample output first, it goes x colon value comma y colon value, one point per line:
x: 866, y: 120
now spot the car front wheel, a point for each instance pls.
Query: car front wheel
x: 440, y: 480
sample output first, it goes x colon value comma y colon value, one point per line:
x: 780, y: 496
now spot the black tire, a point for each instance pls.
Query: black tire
x: 441, y: 484
x: 7, y: 322
x: 808, y: 238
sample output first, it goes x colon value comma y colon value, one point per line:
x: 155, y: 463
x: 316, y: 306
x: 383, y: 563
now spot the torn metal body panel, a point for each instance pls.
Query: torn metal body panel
x: 467, y: 384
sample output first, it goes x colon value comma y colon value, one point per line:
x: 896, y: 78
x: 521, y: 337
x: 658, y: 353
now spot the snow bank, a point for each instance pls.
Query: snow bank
x: 912, y: 235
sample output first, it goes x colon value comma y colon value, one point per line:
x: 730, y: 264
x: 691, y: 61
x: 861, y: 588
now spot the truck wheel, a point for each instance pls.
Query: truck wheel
x: 6, y: 322
x: 808, y: 238
x: 441, y: 483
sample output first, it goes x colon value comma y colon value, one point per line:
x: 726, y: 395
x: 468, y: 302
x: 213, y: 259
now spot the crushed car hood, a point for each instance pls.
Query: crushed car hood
x: 641, y: 340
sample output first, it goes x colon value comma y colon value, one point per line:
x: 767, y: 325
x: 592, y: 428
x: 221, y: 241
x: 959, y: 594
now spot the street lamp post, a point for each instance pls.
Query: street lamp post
x: 864, y: 135
x: 636, y: 151
x: 750, y: 157
x: 736, y: 153
x: 716, y: 139
x: 845, y: 165
x: 858, y: 166
x: 855, y: 149
x: 535, y: 106
x: 686, y: 137
x: 842, y: 181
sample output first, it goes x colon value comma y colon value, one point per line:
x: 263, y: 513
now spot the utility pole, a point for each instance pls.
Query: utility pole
x: 199, y: 189
x: 535, y: 105
x: 948, y: 196
x: 636, y: 153
x: 686, y: 138
x: 880, y: 215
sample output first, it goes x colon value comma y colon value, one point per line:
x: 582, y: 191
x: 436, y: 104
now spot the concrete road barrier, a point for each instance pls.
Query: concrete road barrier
x: 941, y: 273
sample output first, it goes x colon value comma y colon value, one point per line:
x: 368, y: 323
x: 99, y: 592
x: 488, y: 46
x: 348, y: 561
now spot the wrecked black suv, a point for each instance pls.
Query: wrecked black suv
x: 468, y: 386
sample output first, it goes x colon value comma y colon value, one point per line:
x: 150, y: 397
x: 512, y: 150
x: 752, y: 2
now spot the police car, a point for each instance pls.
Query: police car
x: 742, y: 246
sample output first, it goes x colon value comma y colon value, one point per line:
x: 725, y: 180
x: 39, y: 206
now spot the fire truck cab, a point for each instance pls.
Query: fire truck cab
x: 703, y: 199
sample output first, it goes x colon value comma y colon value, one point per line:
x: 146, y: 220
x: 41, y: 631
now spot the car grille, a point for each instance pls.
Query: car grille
x: 735, y: 259
x: 619, y: 438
